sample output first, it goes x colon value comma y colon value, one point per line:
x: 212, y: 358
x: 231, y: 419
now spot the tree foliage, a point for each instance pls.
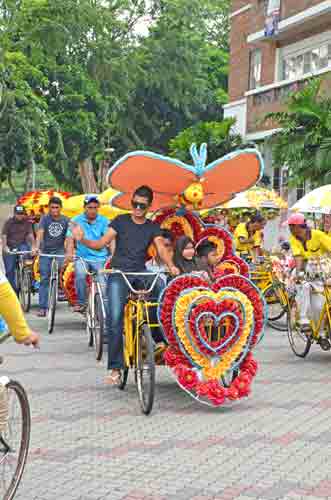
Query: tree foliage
x: 217, y: 135
x: 79, y: 77
x: 304, y: 144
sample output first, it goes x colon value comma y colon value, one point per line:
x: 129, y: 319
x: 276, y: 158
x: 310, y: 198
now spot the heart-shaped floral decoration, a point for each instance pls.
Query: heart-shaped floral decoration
x: 211, y: 331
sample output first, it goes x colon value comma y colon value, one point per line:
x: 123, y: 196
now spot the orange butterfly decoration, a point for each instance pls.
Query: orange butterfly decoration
x: 175, y: 183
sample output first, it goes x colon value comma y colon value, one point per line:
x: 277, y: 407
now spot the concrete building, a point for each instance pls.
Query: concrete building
x: 267, y: 64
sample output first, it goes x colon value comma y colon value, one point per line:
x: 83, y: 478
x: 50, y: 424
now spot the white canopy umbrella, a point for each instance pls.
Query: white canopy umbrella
x: 317, y: 201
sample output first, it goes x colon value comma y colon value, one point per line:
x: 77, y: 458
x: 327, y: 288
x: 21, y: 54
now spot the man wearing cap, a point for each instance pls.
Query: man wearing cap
x: 17, y: 234
x: 94, y: 226
x: 51, y: 237
x: 306, y: 244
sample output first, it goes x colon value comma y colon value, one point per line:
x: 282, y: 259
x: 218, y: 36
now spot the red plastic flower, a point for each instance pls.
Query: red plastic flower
x: 174, y: 358
x: 202, y: 389
x: 232, y: 393
x: 243, y: 384
x: 187, y: 378
x: 216, y: 393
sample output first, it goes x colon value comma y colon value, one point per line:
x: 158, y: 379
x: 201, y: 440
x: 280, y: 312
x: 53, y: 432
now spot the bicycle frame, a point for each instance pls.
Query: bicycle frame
x: 325, y: 315
x: 95, y: 285
x: 137, y: 312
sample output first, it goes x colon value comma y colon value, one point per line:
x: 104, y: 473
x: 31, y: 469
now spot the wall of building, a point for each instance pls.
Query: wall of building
x: 292, y: 7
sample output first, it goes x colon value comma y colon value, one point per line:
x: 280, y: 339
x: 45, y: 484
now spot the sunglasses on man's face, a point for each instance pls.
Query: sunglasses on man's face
x: 138, y: 204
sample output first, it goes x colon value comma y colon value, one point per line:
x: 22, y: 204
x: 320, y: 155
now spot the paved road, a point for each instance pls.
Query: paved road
x: 90, y: 442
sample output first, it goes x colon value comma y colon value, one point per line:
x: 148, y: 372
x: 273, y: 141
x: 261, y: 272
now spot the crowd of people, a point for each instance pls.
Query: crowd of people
x: 90, y: 239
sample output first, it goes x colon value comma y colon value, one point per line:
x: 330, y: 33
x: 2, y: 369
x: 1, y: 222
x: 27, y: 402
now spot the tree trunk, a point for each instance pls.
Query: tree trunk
x: 11, y: 185
x: 89, y: 183
x: 102, y: 174
x: 28, y: 178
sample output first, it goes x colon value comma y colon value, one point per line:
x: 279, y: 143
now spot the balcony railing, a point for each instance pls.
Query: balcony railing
x: 277, y: 94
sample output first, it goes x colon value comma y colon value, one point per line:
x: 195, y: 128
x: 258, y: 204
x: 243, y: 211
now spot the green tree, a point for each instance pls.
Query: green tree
x: 102, y: 84
x: 217, y: 135
x: 304, y: 143
x: 23, y: 120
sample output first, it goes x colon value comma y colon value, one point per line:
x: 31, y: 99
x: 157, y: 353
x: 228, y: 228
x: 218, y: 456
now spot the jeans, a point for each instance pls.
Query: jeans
x: 80, y: 277
x: 10, y: 262
x: 117, y: 294
x: 45, y: 267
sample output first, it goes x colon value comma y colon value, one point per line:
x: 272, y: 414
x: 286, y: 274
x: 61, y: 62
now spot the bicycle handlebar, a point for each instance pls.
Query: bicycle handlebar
x: 52, y: 255
x: 19, y: 252
x: 131, y: 288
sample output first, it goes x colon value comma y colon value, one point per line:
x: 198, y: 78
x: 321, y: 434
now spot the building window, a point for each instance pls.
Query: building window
x: 255, y: 69
x: 306, y: 61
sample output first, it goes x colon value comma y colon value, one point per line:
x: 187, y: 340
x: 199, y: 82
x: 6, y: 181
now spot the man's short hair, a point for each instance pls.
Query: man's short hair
x: 145, y: 192
x: 205, y: 248
x: 55, y: 200
x: 167, y: 235
x: 257, y: 218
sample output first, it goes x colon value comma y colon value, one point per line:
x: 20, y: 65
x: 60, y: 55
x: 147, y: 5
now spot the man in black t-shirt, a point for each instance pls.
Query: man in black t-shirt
x: 51, y: 237
x: 133, y: 234
x: 17, y: 234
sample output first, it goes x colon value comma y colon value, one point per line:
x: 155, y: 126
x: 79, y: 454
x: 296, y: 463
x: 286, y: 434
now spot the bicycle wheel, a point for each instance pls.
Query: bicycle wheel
x: 276, y: 310
x: 25, y: 290
x: 299, y: 342
x: 98, y: 325
x: 89, y: 323
x: 145, y: 369
x: 51, y: 305
x: 14, y: 440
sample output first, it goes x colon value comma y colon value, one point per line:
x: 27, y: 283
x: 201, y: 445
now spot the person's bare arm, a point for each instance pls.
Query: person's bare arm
x: 40, y: 237
x: 4, y: 243
x: 69, y: 246
x: 78, y: 235
x: 165, y: 256
x: 112, y: 246
x: 30, y: 239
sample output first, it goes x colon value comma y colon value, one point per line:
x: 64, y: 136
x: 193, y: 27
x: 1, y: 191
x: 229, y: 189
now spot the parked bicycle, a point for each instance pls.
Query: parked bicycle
x: 15, y: 429
x: 53, y: 288
x: 95, y: 312
x: 23, y: 277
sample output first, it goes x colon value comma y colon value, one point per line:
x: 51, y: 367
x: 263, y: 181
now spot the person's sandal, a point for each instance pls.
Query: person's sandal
x: 42, y: 313
x: 113, y: 379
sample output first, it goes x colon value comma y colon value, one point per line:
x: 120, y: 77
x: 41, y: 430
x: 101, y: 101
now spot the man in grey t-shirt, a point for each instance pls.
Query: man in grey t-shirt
x: 51, y: 236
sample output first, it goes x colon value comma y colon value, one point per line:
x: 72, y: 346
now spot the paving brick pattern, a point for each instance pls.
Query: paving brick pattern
x: 90, y: 442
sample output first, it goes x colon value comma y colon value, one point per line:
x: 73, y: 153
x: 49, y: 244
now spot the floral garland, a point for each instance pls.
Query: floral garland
x: 179, y: 224
x: 221, y: 237
x: 236, y: 263
x: 198, y: 364
x: 68, y: 284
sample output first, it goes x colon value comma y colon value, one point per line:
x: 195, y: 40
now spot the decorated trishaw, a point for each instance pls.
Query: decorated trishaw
x: 240, y: 209
x: 311, y: 287
x: 210, y: 327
